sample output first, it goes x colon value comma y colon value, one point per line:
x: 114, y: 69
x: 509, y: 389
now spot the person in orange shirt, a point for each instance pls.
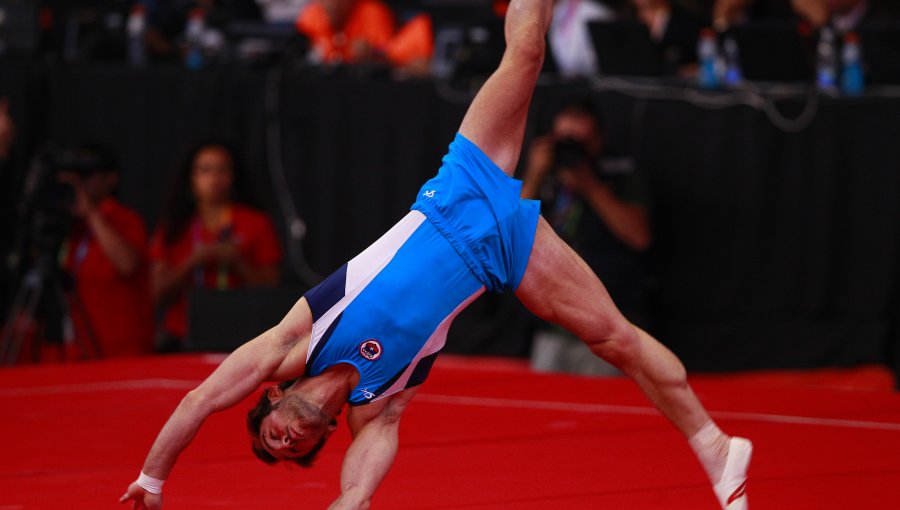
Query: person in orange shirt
x: 105, y: 255
x: 362, y: 31
x: 207, y: 239
x: 347, y: 31
x: 412, y: 46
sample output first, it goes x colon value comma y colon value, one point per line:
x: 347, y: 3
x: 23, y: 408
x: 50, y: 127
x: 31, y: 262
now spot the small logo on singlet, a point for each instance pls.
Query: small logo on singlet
x: 429, y: 193
x: 368, y: 394
x: 370, y: 349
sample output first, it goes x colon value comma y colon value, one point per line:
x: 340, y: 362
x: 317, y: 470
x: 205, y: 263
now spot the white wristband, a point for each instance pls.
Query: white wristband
x: 150, y: 484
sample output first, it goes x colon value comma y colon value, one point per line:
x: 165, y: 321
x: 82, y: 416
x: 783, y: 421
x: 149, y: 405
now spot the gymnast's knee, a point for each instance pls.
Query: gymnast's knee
x: 618, y: 343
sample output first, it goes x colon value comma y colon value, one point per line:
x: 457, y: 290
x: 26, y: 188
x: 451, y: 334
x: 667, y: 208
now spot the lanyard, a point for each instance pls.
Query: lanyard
x: 222, y: 271
x: 81, y: 252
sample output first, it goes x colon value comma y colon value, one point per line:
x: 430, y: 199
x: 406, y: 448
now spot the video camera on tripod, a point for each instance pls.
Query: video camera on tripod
x: 47, y: 200
x: 44, y: 302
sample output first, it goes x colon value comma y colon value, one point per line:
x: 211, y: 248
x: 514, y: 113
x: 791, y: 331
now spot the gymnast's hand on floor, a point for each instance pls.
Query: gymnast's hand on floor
x: 141, y: 499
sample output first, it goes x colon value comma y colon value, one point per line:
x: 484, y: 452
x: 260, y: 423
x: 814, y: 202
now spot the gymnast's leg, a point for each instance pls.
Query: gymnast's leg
x: 495, y: 121
x: 559, y: 287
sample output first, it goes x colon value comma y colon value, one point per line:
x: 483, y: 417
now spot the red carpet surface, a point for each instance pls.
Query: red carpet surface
x: 481, y: 435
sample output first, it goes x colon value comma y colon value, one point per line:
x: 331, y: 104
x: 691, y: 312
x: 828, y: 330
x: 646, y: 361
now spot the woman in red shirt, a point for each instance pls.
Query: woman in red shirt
x: 207, y: 239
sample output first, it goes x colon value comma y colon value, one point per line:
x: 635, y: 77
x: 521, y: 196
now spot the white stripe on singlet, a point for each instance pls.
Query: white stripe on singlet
x: 364, y: 268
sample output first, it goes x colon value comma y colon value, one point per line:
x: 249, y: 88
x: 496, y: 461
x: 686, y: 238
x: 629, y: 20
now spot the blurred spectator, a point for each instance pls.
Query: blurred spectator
x: 736, y: 12
x: 281, y: 11
x: 411, y: 48
x: 167, y: 20
x: 206, y: 238
x: 842, y: 15
x: 105, y: 255
x: 362, y: 32
x: 674, y: 30
x: 7, y: 130
x: 602, y: 212
x: 570, y: 40
x: 347, y: 31
x: 8, y: 195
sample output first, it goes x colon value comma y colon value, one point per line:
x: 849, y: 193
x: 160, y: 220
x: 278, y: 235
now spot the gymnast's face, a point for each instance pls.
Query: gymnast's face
x: 293, y: 428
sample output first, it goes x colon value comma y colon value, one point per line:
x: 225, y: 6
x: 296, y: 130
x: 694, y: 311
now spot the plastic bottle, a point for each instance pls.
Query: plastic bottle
x: 826, y: 62
x: 193, y: 37
x: 852, y: 79
x: 707, y: 56
x: 137, y: 24
x: 733, y: 73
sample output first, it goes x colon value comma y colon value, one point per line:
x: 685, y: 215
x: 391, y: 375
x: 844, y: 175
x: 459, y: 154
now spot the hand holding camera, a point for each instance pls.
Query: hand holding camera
x: 573, y: 165
x: 82, y: 205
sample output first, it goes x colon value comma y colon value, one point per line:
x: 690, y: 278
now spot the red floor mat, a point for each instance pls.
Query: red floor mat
x: 481, y: 435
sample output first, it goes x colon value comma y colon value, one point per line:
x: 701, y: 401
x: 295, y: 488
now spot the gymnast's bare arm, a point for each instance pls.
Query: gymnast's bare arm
x: 277, y: 354
x: 375, y: 429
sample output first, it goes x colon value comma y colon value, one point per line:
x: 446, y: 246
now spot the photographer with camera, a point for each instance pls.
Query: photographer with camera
x: 104, y: 253
x: 602, y: 211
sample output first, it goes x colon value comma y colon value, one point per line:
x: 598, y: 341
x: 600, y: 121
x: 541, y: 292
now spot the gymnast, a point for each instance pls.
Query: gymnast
x: 368, y: 335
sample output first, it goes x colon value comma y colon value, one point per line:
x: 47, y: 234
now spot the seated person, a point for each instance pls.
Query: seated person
x: 363, y: 32
x: 675, y: 31
x: 411, y: 48
x: 7, y: 129
x: 737, y: 12
x: 347, y: 31
x: 569, y: 38
x: 280, y: 11
x: 842, y: 15
x: 207, y: 239
x: 167, y: 21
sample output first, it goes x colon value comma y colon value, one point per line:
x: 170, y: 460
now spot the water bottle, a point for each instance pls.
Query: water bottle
x: 137, y: 56
x: 852, y: 79
x: 826, y: 62
x: 707, y: 56
x: 733, y: 73
x: 193, y: 37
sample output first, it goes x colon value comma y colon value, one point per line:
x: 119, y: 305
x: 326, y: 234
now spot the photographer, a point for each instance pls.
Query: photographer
x: 602, y: 212
x: 104, y: 254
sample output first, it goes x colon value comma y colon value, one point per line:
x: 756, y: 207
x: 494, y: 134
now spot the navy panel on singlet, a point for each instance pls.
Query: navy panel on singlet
x: 389, y: 318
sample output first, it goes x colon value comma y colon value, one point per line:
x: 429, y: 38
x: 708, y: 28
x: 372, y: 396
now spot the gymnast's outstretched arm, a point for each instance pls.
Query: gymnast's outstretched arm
x: 279, y: 353
x: 375, y: 428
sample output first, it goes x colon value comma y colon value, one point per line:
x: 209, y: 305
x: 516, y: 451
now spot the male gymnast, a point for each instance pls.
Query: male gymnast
x: 369, y: 333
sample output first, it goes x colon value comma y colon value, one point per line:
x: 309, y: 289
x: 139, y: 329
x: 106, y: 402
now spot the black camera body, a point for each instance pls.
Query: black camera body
x: 569, y: 153
x: 47, y: 201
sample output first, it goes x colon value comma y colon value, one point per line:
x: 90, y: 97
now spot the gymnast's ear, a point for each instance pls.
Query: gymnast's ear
x: 330, y: 429
x: 274, y: 393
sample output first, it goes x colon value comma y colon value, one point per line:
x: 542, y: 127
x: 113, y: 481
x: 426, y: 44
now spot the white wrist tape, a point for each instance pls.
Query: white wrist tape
x: 150, y: 484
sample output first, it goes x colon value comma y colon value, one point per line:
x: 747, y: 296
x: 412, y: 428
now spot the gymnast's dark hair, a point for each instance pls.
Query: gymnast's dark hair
x: 254, y: 421
x: 179, y: 204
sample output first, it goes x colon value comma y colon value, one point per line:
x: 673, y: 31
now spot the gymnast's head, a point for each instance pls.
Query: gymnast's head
x: 286, y: 427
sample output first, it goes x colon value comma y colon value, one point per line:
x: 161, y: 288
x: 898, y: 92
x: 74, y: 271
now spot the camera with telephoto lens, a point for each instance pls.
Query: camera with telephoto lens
x: 47, y: 201
x: 570, y: 153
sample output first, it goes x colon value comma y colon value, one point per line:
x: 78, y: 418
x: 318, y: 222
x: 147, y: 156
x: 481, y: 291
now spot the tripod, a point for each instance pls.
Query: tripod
x: 43, y: 285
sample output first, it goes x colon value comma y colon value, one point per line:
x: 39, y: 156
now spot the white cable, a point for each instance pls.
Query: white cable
x: 748, y: 94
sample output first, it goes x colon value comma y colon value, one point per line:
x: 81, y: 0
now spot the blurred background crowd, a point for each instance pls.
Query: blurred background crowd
x: 451, y: 37
x: 157, y: 156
